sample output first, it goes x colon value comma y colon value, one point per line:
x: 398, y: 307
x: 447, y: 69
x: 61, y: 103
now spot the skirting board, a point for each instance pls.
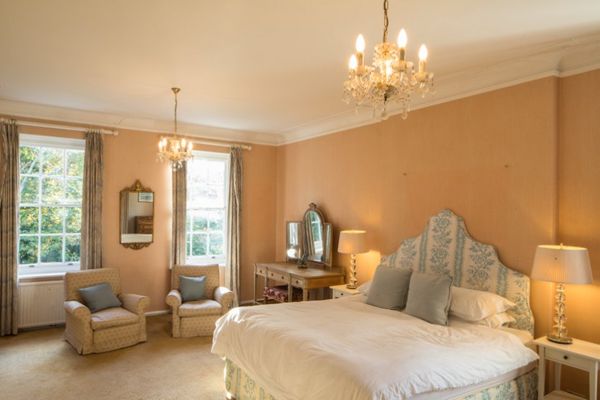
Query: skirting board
x: 158, y: 312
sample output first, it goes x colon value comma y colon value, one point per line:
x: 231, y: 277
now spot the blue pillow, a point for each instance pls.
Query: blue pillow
x: 192, y: 287
x: 99, y: 297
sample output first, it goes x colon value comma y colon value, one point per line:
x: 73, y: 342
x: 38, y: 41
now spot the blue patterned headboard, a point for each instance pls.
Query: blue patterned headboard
x: 445, y: 247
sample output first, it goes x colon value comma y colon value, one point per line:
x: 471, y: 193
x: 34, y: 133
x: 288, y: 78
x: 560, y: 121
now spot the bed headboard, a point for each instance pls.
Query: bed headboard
x: 445, y: 247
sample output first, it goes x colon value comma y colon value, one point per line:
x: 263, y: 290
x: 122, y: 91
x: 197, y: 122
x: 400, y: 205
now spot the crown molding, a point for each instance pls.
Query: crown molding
x: 556, y: 59
x: 24, y: 110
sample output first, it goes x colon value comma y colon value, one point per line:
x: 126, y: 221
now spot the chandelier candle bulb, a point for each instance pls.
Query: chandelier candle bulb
x: 353, y: 63
x: 360, y: 49
x: 402, y: 41
x: 422, y: 58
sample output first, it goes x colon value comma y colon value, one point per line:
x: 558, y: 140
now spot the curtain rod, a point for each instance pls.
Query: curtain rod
x: 62, y: 127
x: 115, y: 132
x: 221, y: 144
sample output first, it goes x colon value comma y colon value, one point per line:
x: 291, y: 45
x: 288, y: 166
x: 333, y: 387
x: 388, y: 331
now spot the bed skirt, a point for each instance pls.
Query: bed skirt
x: 240, y: 386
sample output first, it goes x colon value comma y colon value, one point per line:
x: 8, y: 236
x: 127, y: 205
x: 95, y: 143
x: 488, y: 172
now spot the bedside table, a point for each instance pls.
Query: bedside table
x: 581, y: 355
x: 342, y: 291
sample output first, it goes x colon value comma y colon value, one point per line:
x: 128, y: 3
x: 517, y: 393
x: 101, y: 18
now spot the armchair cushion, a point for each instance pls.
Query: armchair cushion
x: 111, y: 317
x: 99, y: 297
x: 200, y: 308
x: 192, y: 287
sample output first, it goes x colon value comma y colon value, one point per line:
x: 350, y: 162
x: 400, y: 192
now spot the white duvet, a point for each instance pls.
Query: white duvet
x: 345, y: 349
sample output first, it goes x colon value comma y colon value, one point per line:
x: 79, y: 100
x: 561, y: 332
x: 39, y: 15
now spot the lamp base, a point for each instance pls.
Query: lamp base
x: 351, y: 286
x: 561, y: 340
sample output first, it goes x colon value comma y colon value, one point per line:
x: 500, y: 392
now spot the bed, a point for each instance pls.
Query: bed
x: 347, y: 349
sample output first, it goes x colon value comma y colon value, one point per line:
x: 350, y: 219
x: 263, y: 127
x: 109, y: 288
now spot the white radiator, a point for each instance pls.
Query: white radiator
x: 41, y: 303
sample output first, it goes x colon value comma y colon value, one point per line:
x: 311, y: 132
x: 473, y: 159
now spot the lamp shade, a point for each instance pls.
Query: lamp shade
x: 352, y: 242
x: 562, y: 264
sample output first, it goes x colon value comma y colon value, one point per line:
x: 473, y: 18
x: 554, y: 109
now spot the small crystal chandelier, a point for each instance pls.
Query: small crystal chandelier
x: 173, y: 148
x: 390, y: 79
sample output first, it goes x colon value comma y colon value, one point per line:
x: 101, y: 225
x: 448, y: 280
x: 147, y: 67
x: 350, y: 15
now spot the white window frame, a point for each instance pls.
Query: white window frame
x: 205, y: 260
x: 41, y: 269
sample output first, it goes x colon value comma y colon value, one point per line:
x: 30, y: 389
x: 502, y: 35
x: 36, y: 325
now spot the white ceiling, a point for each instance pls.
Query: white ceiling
x: 266, y: 71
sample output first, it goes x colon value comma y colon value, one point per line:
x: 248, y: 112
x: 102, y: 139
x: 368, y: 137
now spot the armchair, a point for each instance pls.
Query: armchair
x: 197, y: 318
x: 108, y: 329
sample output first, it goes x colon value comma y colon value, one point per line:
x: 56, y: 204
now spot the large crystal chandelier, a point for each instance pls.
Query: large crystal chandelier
x: 390, y: 78
x: 173, y: 148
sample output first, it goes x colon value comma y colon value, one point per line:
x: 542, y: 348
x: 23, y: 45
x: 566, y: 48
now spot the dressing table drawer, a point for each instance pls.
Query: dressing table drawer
x: 298, y: 282
x: 278, y: 276
x: 260, y: 270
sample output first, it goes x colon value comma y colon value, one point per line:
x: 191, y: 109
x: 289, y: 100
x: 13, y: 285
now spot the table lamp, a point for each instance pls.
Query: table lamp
x: 352, y: 242
x: 561, y: 264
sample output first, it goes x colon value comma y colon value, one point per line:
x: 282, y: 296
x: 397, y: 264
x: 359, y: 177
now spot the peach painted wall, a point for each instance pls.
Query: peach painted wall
x: 579, y: 202
x: 491, y: 158
x: 132, y: 155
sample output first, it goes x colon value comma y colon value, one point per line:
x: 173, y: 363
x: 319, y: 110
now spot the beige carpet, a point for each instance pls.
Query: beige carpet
x: 41, y: 365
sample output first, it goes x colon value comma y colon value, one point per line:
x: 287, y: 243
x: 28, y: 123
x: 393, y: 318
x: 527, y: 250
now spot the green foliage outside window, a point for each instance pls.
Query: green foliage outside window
x: 50, y: 204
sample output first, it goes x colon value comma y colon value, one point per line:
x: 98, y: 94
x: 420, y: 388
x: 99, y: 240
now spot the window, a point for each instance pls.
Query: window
x: 51, y: 185
x: 206, y: 225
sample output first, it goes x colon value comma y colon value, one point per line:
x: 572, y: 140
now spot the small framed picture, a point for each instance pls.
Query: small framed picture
x: 146, y: 197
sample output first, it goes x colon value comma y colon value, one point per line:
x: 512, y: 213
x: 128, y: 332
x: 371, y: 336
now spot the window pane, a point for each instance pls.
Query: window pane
x: 216, y: 220
x: 188, y: 245
x: 74, y: 163
x: 51, y: 250
x: 29, y: 189
x: 200, y: 222
x: 28, y: 220
x: 29, y: 160
x: 206, y: 183
x: 52, y: 219
x: 199, y: 244
x: 72, y: 248
x: 52, y: 190
x: 216, y: 244
x: 28, y: 249
x: 74, y: 190
x: 73, y: 220
x: 53, y: 160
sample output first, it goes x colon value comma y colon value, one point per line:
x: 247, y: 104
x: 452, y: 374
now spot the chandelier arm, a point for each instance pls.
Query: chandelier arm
x: 385, y: 20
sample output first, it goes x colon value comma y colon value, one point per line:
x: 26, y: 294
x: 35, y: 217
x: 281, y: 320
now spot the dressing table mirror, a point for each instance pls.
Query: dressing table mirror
x: 136, y: 221
x: 317, y: 236
x: 307, y: 267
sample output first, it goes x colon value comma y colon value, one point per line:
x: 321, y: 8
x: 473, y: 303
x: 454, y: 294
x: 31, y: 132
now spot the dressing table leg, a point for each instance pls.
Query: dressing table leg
x: 304, y: 294
x: 290, y: 291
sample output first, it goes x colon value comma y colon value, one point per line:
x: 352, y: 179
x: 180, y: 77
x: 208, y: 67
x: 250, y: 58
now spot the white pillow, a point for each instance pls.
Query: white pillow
x: 364, y: 288
x: 496, y: 320
x: 475, y: 305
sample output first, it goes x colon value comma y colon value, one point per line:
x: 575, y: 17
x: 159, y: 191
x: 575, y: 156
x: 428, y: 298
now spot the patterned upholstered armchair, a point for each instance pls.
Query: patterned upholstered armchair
x: 108, y: 329
x: 197, y: 318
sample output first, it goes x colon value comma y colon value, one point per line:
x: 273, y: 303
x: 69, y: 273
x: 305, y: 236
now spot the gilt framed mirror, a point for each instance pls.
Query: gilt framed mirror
x: 136, y: 216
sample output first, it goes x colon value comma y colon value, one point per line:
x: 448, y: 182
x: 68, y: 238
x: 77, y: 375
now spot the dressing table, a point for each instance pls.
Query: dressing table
x: 308, y: 261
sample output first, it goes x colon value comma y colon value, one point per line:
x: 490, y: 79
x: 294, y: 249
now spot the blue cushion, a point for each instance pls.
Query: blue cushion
x: 389, y: 288
x: 98, y: 297
x: 192, y: 287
